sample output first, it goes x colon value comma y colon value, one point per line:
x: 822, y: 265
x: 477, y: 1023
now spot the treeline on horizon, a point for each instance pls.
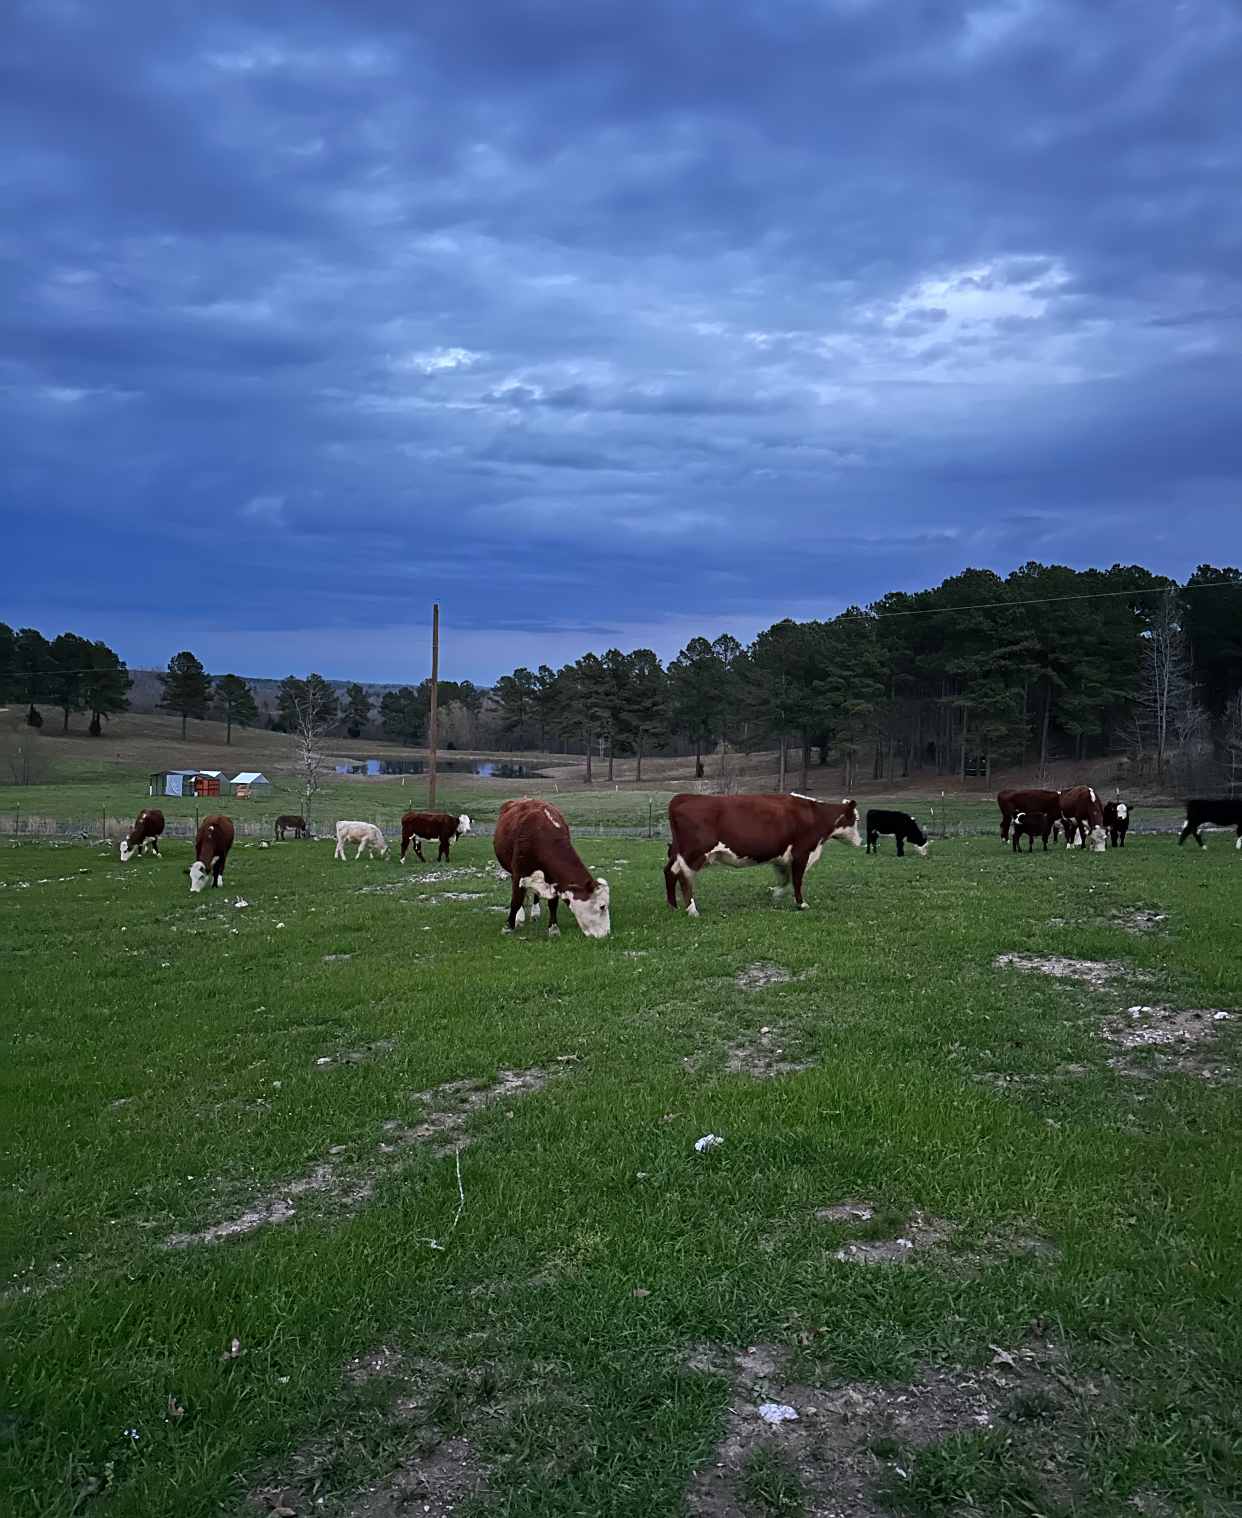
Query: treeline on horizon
x: 1047, y: 662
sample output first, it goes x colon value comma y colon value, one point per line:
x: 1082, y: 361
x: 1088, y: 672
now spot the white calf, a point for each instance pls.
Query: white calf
x: 365, y: 834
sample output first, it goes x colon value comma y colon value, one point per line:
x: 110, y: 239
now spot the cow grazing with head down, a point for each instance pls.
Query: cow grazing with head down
x: 365, y: 834
x: 295, y: 825
x: 1221, y: 814
x: 533, y: 845
x: 1117, y: 822
x: 901, y: 826
x: 1082, y: 816
x: 144, y: 836
x: 1013, y: 802
x: 787, y: 832
x: 1032, y: 825
x: 441, y: 826
x: 211, y: 849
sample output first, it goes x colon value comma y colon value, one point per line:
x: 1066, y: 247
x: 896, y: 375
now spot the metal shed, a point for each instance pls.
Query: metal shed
x: 249, y: 782
x: 186, y: 782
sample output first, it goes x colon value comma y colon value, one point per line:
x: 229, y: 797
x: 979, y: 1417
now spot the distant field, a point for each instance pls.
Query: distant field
x: 340, y: 1202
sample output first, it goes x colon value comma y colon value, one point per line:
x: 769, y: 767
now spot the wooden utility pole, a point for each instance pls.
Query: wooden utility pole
x: 434, y: 730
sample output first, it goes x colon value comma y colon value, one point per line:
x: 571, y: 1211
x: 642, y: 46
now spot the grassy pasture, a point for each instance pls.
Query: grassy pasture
x: 571, y: 1347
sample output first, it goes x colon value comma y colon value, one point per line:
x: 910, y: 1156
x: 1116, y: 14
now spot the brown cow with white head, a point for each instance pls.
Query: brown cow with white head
x: 787, y: 832
x: 533, y: 845
x: 211, y: 849
x: 1082, y: 814
x: 144, y: 836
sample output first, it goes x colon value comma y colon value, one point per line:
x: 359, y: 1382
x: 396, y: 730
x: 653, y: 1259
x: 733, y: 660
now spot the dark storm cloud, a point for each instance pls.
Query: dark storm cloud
x: 603, y: 322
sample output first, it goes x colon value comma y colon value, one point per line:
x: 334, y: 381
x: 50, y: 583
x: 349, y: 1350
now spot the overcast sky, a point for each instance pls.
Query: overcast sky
x: 602, y: 323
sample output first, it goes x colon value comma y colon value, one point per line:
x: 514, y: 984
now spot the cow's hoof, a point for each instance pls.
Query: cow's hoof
x: 553, y: 931
x: 506, y: 929
x: 804, y: 906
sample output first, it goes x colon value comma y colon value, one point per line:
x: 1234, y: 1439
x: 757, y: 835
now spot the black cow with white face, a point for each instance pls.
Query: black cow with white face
x: 901, y: 826
x: 1117, y: 822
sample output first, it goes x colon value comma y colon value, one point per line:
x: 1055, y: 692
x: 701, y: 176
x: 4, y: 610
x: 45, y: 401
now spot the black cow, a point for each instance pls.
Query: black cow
x: 1221, y: 814
x: 1033, y: 825
x: 1117, y: 822
x: 901, y: 825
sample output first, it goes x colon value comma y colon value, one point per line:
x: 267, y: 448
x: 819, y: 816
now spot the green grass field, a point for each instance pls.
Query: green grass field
x: 990, y: 1256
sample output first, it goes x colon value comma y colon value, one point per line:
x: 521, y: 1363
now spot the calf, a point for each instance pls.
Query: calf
x: 1221, y: 814
x: 211, y: 849
x: 294, y: 825
x: 1082, y: 814
x: 901, y: 825
x: 365, y: 834
x: 787, y: 832
x: 441, y: 826
x: 533, y: 845
x: 144, y: 836
x: 1032, y: 825
x: 1012, y: 802
x: 1116, y: 822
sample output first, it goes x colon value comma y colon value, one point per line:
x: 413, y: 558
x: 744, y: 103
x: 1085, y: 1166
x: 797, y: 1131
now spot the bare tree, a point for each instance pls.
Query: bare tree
x: 313, y: 709
x: 1168, y: 714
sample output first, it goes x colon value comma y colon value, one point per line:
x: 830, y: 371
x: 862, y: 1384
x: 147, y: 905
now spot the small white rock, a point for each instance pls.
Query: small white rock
x: 777, y: 1412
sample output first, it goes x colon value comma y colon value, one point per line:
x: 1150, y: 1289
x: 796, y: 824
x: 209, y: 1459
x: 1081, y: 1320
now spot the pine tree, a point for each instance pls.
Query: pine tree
x: 357, y: 709
x: 105, y: 686
x: 187, y: 688
x: 70, y: 655
x: 236, y: 700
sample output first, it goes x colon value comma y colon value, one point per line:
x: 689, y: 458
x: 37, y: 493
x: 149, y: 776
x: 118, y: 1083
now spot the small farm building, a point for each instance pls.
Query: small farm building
x: 186, y: 782
x: 250, y: 783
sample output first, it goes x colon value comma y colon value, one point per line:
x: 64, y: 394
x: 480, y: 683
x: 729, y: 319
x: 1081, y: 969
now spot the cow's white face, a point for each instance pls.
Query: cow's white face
x: 199, y: 875
x: 849, y: 834
x: 1123, y: 811
x: 1099, y: 840
x: 463, y: 824
x: 538, y: 883
x: 922, y: 848
x: 591, y: 913
x: 124, y: 850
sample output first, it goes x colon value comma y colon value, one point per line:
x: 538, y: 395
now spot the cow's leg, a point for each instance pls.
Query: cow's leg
x: 553, y: 930
x: 444, y: 851
x: 516, y: 898
x: 780, y: 868
x: 670, y: 877
x: 1004, y: 827
x: 340, y: 849
x: 871, y: 841
x: 797, y: 869
x: 1237, y: 842
x: 417, y: 845
x: 362, y: 845
x: 901, y: 846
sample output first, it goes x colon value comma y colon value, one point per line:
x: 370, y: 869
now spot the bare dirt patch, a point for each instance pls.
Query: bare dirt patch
x: 449, y: 1109
x: 359, y: 1056
x: 1145, y: 1027
x: 842, y: 1441
x: 1140, y: 920
x: 758, y: 976
x: 1098, y: 973
x: 845, y: 1212
x: 886, y: 1238
x: 919, y: 1231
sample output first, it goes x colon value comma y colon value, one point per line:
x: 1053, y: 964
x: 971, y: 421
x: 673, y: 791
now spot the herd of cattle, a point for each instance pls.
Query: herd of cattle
x: 533, y: 846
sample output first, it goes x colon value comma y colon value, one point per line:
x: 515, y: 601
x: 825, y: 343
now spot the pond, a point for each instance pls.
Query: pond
x: 487, y: 769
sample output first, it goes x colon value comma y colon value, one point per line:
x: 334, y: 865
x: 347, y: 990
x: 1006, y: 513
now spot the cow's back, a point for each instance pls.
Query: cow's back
x: 518, y: 827
x: 750, y: 826
x: 216, y: 832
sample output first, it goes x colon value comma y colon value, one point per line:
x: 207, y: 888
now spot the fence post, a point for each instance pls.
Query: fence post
x: 104, y: 818
x: 17, y: 821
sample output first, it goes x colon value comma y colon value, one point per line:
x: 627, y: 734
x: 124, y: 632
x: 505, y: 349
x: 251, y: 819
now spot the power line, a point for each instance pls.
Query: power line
x: 1087, y: 595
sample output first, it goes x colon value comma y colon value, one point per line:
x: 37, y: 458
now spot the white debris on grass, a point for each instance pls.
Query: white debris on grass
x: 708, y: 1141
x: 241, y: 902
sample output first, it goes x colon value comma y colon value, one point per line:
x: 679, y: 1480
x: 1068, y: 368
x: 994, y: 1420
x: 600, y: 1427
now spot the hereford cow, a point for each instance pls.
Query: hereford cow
x: 1012, y: 802
x: 1032, y: 825
x: 901, y: 826
x: 144, y: 836
x: 442, y: 826
x: 1116, y: 822
x: 1220, y: 814
x: 365, y: 834
x: 211, y: 849
x: 1083, y: 815
x: 787, y: 832
x: 295, y: 825
x: 533, y: 845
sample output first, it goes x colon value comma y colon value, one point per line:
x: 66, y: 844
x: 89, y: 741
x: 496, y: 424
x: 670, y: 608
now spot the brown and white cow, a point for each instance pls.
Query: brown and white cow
x: 1082, y: 815
x: 211, y: 849
x: 290, y: 823
x: 441, y: 826
x: 1013, y: 802
x: 144, y: 836
x: 533, y: 845
x: 787, y: 832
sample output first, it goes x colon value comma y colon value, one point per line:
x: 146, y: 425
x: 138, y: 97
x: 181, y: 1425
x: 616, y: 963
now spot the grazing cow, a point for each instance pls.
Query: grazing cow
x: 901, y: 825
x: 1032, y: 825
x: 211, y: 849
x: 295, y: 825
x: 1012, y: 802
x: 1083, y: 815
x: 533, y: 845
x: 1117, y: 822
x: 1221, y: 814
x: 144, y: 836
x: 787, y: 832
x: 365, y: 834
x: 439, y: 825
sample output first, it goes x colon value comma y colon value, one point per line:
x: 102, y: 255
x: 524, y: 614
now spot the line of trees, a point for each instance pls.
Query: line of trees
x: 1047, y: 662
x: 69, y: 674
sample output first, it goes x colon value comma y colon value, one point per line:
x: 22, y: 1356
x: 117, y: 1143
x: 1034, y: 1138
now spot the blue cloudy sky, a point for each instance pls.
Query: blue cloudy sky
x: 602, y: 323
